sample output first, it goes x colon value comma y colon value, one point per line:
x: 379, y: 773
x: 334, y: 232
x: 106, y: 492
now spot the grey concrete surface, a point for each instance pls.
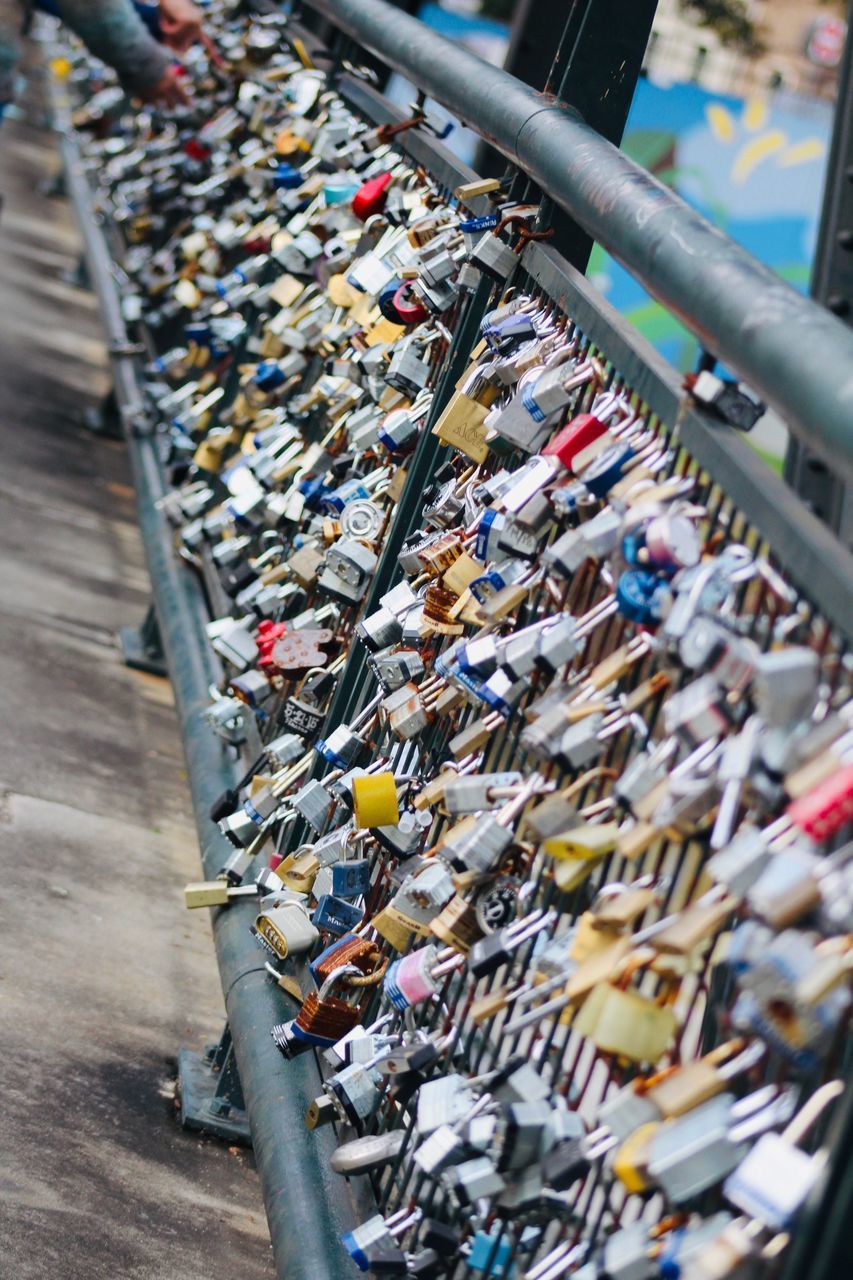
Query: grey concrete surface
x: 103, y: 974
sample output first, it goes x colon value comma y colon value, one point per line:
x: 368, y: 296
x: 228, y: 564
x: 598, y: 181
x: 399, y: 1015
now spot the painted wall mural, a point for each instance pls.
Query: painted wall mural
x: 755, y: 168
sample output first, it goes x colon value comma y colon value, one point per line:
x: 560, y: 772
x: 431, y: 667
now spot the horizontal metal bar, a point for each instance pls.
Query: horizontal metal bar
x: 307, y: 1205
x: 796, y: 354
x: 820, y: 566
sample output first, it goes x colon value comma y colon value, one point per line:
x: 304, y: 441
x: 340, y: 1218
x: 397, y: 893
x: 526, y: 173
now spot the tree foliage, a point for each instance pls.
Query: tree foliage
x: 730, y: 20
x: 500, y: 10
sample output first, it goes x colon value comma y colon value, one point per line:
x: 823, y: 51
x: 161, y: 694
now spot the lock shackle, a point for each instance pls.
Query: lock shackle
x: 563, y: 1256
x: 812, y: 1110
x: 365, y: 713
x: 337, y: 975
x: 764, y: 1113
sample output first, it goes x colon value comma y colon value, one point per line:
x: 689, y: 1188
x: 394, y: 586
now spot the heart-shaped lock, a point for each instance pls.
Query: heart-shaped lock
x: 299, y: 650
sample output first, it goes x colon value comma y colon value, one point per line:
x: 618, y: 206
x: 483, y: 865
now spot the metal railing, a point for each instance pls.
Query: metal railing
x: 792, y: 351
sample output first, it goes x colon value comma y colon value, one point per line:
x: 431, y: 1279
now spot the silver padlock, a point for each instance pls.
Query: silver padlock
x: 785, y: 685
x: 312, y: 802
x: 351, y: 561
x: 443, y: 1102
x: 394, y: 668
x: 696, y: 1151
x: 473, y: 1180
x: 477, y: 792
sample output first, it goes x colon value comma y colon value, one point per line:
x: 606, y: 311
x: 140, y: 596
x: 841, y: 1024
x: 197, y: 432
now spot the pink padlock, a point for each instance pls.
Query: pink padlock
x: 824, y: 810
x: 672, y: 541
x: 414, y: 978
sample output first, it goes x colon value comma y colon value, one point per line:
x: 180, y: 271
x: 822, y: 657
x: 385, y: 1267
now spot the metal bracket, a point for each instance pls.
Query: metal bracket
x: 104, y: 419
x: 211, y: 1093
x: 142, y: 646
x: 126, y: 349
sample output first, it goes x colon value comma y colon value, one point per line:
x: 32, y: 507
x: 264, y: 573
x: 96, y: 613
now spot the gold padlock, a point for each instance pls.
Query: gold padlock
x: 620, y: 1020
x: 461, y: 425
x: 398, y: 929
x: 456, y: 925
x: 588, y: 840
x: 693, y: 925
x: 298, y: 871
x: 461, y: 573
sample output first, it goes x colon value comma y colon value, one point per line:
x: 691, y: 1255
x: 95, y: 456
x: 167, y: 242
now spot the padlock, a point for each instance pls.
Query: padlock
x: 313, y: 803
x: 375, y: 800
x: 362, y: 1242
x: 323, y: 1018
x: 216, y: 893
x: 493, y: 256
x: 472, y: 1180
x: 626, y: 1023
x: 456, y: 925
x: 394, y: 668
x: 488, y: 954
x: 334, y: 915
x: 286, y: 929
x: 477, y: 792
x: 692, y: 1153
x: 773, y: 1181
x: 351, y: 879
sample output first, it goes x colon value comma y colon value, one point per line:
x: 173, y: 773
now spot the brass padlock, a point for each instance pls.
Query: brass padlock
x: 457, y: 925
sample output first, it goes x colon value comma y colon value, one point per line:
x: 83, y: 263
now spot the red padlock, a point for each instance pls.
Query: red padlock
x: 371, y: 196
x: 824, y: 810
x: 574, y: 437
x: 196, y: 150
x: 407, y: 306
x: 266, y: 636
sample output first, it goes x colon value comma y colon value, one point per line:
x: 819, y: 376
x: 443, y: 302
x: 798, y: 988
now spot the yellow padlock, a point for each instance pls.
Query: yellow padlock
x: 570, y: 873
x: 589, y: 840
x: 589, y: 939
x: 206, y: 893
x: 626, y: 1023
x: 629, y: 1163
x: 375, y: 800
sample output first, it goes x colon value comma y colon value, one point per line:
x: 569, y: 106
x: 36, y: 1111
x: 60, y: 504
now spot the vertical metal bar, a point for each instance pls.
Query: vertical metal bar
x: 832, y: 284
x: 595, y: 70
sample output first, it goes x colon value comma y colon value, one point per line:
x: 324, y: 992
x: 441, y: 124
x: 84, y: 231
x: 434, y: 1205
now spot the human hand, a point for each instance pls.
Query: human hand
x: 181, y: 24
x: 169, y: 91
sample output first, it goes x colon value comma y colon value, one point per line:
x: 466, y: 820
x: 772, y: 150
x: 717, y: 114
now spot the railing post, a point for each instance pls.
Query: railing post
x: 832, y: 284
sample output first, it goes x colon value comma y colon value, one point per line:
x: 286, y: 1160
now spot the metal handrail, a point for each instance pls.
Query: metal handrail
x: 793, y: 352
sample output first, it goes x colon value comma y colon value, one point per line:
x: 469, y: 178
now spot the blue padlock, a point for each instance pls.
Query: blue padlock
x: 334, y: 915
x: 351, y: 879
x: 642, y: 596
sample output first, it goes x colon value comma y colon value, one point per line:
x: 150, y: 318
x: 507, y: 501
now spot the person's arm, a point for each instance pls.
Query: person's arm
x: 10, y: 50
x: 115, y: 33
